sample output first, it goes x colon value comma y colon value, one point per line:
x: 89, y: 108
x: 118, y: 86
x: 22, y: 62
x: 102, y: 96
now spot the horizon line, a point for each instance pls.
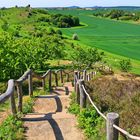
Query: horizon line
x: 73, y: 6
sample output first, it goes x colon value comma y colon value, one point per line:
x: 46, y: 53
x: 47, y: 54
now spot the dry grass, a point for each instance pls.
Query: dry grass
x: 121, y: 94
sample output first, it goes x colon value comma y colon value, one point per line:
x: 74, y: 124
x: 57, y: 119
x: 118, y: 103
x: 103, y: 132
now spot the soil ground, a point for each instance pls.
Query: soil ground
x: 50, y: 120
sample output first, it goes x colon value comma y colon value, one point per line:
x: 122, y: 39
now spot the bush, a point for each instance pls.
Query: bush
x: 74, y: 107
x: 75, y: 37
x: 121, y: 96
x: 88, y: 119
x: 125, y: 65
x: 28, y: 105
x: 126, y: 18
x: 59, y: 32
x: 12, y: 129
x: 44, y: 19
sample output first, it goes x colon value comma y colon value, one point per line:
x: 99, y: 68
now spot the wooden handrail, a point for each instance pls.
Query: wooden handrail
x: 46, y: 74
x: 24, y: 76
x: 29, y: 74
x: 112, y: 119
x: 9, y: 91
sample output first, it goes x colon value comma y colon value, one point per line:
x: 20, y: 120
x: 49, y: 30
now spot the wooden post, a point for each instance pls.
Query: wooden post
x: 20, y: 95
x: 67, y: 75
x: 13, y: 104
x: 92, y: 75
x: 43, y: 83
x: 112, y: 133
x: 78, y: 75
x: 95, y: 73
x: 75, y: 80
x: 56, y: 79
x: 30, y: 83
x: 89, y: 76
x: 50, y: 80
x: 77, y: 93
x: 61, y: 76
x: 82, y: 94
x: 85, y: 75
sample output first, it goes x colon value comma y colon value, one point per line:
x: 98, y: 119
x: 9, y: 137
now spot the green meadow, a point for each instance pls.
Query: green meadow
x: 118, y: 39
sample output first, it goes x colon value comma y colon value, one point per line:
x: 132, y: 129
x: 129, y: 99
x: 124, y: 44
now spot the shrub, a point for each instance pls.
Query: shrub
x: 59, y: 32
x: 5, y: 26
x: 125, y: 65
x: 11, y: 129
x: 88, y: 119
x: 121, y: 96
x: 44, y: 19
x: 75, y: 37
x: 28, y: 105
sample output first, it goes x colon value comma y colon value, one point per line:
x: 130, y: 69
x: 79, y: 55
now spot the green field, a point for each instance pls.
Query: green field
x: 118, y: 38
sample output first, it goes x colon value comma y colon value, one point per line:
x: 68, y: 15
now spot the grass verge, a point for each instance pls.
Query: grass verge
x: 88, y: 120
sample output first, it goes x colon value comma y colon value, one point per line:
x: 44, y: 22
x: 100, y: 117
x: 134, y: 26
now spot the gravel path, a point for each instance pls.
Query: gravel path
x: 50, y: 120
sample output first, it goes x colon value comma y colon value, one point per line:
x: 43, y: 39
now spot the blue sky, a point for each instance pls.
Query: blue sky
x: 62, y: 3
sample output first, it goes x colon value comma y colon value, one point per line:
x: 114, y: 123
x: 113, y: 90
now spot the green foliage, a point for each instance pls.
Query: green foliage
x: 11, y: 129
x: 75, y: 37
x: 116, y: 14
x: 125, y: 65
x: 61, y: 21
x: 74, y: 108
x: 28, y: 105
x: 5, y: 25
x: 59, y: 32
x: 44, y: 19
x: 19, y: 54
x: 83, y: 59
x: 89, y: 120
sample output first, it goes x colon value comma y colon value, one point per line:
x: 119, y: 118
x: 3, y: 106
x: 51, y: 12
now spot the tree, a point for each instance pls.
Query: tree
x: 125, y: 65
x: 83, y: 59
x: 116, y: 14
x: 5, y: 25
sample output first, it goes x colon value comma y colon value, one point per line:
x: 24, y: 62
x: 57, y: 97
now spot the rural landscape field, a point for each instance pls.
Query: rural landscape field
x: 119, y: 38
x: 69, y: 72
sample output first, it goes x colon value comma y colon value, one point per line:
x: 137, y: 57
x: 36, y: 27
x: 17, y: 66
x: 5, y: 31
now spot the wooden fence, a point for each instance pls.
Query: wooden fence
x: 112, y: 119
x: 29, y: 75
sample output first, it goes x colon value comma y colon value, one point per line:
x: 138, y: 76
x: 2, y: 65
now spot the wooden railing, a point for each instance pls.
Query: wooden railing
x: 29, y: 75
x: 112, y: 119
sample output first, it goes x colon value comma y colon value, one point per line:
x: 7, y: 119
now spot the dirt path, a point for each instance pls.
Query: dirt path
x: 50, y: 120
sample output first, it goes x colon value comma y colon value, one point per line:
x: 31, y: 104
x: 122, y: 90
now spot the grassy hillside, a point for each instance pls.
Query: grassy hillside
x: 118, y: 38
x: 28, y: 39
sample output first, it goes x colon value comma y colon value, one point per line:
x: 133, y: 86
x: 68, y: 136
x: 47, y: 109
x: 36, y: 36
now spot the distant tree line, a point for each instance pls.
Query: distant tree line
x: 118, y: 14
x: 61, y: 21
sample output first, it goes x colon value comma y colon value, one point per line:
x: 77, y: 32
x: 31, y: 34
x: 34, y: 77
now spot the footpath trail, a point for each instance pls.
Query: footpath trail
x: 50, y: 120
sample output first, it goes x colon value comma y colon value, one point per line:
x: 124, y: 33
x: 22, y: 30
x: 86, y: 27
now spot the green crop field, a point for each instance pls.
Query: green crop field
x: 120, y: 39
